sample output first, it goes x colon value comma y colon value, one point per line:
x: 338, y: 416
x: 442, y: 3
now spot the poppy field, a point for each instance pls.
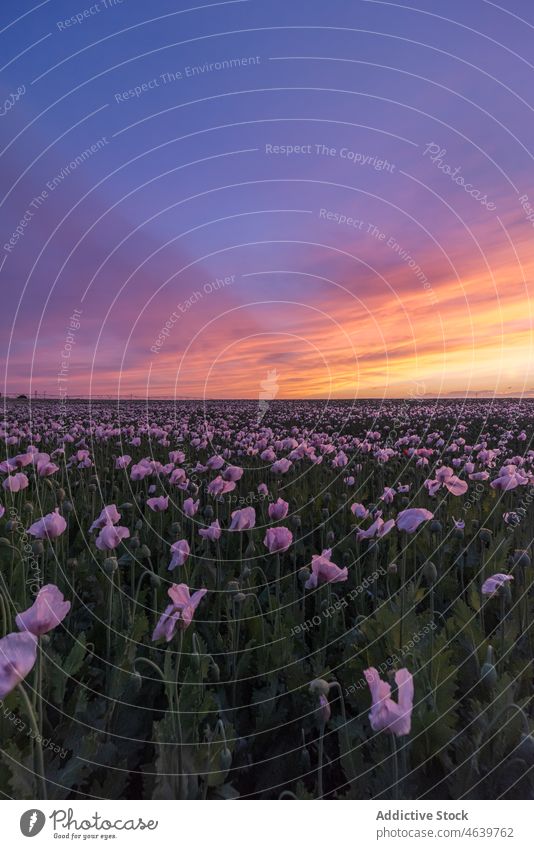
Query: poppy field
x: 302, y: 600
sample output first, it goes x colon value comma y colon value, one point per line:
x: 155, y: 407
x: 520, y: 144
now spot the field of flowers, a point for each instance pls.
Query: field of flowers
x: 314, y: 600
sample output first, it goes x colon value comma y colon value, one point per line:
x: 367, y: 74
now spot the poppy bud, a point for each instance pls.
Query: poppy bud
x: 239, y: 598
x: 233, y: 587
x: 296, y: 522
x: 327, y: 498
x: 72, y: 563
x: 144, y: 552
x: 126, y: 506
x: 430, y: 572
x: 475, y: 524
x: 37, y: 547
x: 61, y: 494
x: 404, y: 501
x: 521, y: 558
x: 485, y: 535
x: 67, y: 507
x: 138, y: 524
x: 208, y: 512
x: 155, y: 581
x: 319, y: 687
x: 435, y: 526
x: 488, y: 673
x: 304, y: 575
x: 330, y: 539
x: 48, y: 483
x: 4, y: 542
x: 175, y: 529
x: 91, y: 487
x: 11, y: 526
x: 393, y: 568
x: 250, y: 550
x: 110, y: 565
x: 28, y: 507
x: 134, y: 543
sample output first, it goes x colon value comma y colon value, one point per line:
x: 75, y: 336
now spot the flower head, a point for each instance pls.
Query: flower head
x: 387, y: 715
x: 18, y: 653
x: 324, y: 571
x: 50, y: 526
x: 278, y: 539
x: 47, y: 611
x: 180, y: 613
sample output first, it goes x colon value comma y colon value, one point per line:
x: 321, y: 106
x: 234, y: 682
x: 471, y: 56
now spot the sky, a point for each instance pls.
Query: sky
x: 245, y: 199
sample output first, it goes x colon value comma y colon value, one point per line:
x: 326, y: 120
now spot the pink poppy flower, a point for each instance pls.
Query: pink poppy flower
x: 233, y: 473
x: 263, y: 489
x: 278, y: 539
x: 218, y: 486
x: 110, y: 537
x: 278, y: 510
x: 378, y: 529
x: 215, y: 463
x: 180, y: 552
x: 409, y: 520
x: 123, y: 462
x: 359, y: 511
x: 243, y: 520
x: 180, y: 613
x: 387, y: 715
x: 190, y: 507
x: 445, y: 477
x: 268, y: 456
x: 479, y: 476
x: 388, y: 495
x: 47, y: 611
x: 139, y: 471
x: 109, y: 516
x: 2, y: 510
x: 18, y: 653
x: 15, y: 483
x: 48, y: 527
x: 280, y: 467
x: 159, y: 504
x: 509, y: 478
x: 492, y: 585
x: 324, y: 571
x: 212, y: 533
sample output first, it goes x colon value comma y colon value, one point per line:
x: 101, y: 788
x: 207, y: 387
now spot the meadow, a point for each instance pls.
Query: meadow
x: 300, y: 599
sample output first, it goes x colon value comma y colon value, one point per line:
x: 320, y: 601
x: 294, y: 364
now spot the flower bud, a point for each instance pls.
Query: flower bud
x: 110, y: 565
x: 134, y: 543
x: 144, y: 552
x: 72, y: 563
x: 296, y: 522
x: 28, y: 507
x: 239, y: 598
x: 67, y: 507
x: 521, y: 558
x: 404, y: 501
x: 61, y: 494
x: 208, y: 512
x: 393, y: 568
x: 319, y: 687
x: 4, y: 542
x: 435, y: 526
x: 485, y: 536
x: 304, y: 575
x: 37, y: 547
x: 250, y: 550
x: 138, y: 524
x: 91, y: 487
x: 233, y: 587
x: 330, y: 539
x: 126, y: 507
x: 155, y: 581
x: 175, y: 529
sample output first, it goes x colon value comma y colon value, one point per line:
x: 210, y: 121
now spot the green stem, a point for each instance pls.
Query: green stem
x: 37, y: 736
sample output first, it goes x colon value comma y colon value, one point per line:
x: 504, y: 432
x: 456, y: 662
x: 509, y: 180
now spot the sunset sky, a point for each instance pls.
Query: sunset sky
x: 333, y: 194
